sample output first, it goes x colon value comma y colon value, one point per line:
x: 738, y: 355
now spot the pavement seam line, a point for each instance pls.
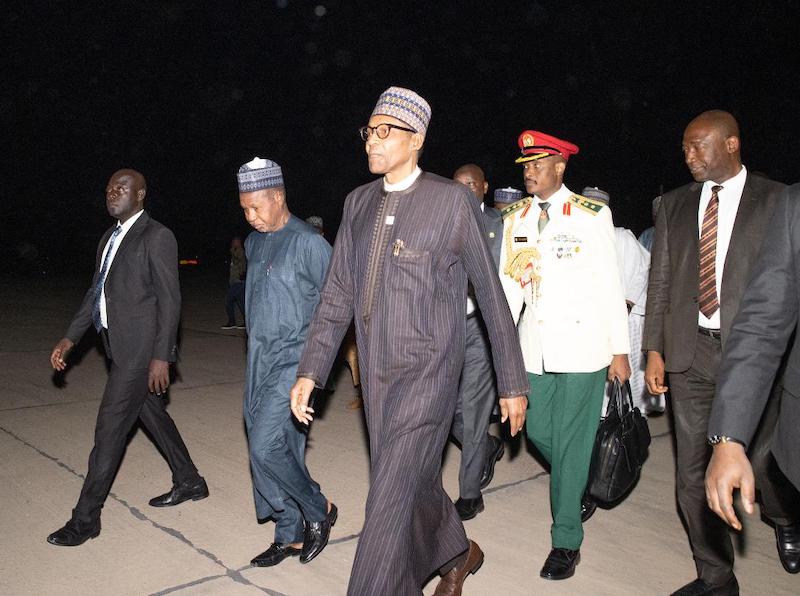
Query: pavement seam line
x: 190, y: 584
x: 203, y: 580
x: 234, y: 574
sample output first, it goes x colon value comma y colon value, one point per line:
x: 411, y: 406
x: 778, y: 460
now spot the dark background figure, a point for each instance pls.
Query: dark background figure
x: 134, y: 303
x: 759, y: 337
x: 400, y: 269
x: 317, y: 223
x: 288, y: 260
x: 477, y: 391
x: 237, y: 272
x: 708, y: 236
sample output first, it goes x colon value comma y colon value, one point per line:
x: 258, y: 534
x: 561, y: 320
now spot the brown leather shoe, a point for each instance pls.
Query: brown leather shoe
x: 452, y: 581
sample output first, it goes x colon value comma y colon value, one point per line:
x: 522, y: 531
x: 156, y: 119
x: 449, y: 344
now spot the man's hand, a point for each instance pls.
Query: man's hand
x: 59, y: 355
x: 729, y: 468
x: 654, y: 373
x: 300, y: 394
x: 513, y: 409
x: 620, y: 368
x: 158, y: 376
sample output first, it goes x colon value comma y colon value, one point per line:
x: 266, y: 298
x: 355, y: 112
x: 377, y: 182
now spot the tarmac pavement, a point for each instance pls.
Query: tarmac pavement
x: 204, y: 547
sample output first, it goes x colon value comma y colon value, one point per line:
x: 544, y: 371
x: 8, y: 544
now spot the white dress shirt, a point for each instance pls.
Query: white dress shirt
x: 117, y: 242
x: 729, y: 198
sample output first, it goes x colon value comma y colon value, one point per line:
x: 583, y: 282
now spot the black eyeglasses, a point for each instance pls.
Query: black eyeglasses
x: 382, y: 130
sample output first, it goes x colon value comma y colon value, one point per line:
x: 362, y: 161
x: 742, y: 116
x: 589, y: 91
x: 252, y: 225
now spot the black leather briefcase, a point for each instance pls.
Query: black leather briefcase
x: 620, y: 447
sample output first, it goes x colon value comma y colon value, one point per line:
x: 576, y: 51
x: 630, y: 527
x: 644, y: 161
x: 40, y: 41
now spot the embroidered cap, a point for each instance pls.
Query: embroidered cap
x: 507, y: 195
x: 258, y: 174
x: 598, y: 194
x: 406, y: 105
x: 315, y: 220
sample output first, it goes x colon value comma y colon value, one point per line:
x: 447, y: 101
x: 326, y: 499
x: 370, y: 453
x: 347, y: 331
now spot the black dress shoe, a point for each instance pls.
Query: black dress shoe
x: 560, y: 563
x: 274, y: 555
x: 74, y: 533
x: 701, y: 587
x: 315, y: 535
x: 469, y: 508
x: 788, y: 540
x: 192, y: 489
x: 588, y: 507
x: 495, y: 455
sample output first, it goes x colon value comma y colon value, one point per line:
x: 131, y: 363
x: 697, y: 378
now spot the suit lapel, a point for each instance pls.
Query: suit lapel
x: 130, y: 239
x: 690, y: 239
x: 101, y: 247
x: 749, y: 230
x: 745, y: 233
x: 693, y: 207
x: 494, y: 232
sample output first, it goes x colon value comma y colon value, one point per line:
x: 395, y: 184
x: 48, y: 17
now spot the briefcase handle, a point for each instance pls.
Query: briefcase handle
x: 621, y: 400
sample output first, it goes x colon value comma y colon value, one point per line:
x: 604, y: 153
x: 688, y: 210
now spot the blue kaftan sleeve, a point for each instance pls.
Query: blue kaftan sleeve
x: 335, y: 310
x: 316, y: 257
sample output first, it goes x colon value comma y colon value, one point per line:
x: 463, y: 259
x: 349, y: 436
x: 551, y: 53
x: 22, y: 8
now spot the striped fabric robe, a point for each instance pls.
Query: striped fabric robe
x: 399, y: 267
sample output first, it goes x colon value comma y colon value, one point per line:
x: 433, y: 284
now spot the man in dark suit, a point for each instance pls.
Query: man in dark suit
x: 134, y: 303
x: 707, y: 238
x: 759, y: 335
x: 477, y: 394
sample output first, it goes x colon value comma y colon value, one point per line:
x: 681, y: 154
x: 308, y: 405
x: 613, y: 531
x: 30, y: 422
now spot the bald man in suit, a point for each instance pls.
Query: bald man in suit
x: 708, y: 235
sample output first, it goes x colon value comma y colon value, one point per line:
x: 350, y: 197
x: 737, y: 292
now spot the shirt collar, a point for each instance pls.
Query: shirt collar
x: 404, y: 183
x: 558, y: 197
x: 129, y: 222
x: 736, y: 183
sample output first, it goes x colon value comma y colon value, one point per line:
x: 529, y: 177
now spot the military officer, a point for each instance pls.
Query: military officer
x: 558, y: 258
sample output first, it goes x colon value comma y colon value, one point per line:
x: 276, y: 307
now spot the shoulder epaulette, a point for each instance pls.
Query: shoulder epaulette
x: 592, y: 206
x: 513, y: 207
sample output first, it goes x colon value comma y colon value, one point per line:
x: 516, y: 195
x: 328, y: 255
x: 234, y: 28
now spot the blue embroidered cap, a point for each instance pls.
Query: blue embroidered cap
x: 258, y: 174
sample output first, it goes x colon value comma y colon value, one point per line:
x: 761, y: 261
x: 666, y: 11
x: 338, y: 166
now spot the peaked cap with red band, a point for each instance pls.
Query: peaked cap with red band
x: 536, y: 145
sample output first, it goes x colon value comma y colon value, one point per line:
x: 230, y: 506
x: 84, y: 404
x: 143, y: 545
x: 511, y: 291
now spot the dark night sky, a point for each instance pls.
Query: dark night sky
x: 186, y: 91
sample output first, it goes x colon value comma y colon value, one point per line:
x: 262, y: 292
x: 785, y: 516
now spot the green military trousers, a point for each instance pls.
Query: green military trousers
x: 562, y: 420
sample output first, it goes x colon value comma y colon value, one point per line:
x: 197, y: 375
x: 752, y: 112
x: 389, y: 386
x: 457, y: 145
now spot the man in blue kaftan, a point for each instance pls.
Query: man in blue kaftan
x: 287, y: 264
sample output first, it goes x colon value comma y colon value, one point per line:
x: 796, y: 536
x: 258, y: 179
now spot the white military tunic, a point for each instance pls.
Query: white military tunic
x: 567, y: 277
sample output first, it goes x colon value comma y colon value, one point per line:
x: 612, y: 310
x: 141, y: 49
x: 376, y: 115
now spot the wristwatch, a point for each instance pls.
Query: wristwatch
x: 717, y: 439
